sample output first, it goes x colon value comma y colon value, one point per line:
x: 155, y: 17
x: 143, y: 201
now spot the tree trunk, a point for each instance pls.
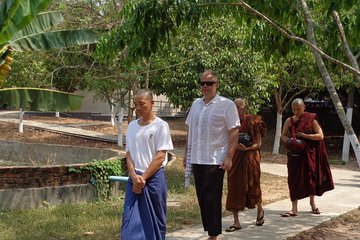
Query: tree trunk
x: 129, y: 118
x: 346, y: 141
x: 112, y: 114
x: 120, y: 127
x: 277, y: 132
x: 355, y: 65
x: 21, y: 120
x: 329, y: 84
x: 279, y: 111
x: 147, y: 75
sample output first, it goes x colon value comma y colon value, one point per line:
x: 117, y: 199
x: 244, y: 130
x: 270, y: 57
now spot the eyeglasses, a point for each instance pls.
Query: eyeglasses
x: 207, y: 83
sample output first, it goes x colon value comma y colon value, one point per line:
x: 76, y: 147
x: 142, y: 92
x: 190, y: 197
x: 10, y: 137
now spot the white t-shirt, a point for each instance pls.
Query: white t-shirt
x: 142, y: 142
x: 209, y: 126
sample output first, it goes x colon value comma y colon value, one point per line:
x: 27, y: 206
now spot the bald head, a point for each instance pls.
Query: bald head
x: 241, y: 106
x: 240, y: 101
x: 297, y: 102
x: 298, y: 107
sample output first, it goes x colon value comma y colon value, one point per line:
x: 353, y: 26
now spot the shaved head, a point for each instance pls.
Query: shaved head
x: 240, y: 101
x: 297, y: 101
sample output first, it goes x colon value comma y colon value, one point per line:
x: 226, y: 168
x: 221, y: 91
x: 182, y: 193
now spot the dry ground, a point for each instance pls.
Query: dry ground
x: 342, y: 228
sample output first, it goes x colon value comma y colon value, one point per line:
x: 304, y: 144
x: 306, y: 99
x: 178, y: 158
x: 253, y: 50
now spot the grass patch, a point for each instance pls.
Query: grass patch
x: 98, y: 220
x: 101, y: 220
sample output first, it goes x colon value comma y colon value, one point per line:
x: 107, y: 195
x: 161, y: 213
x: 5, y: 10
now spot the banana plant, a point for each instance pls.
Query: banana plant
x: 25, y: 25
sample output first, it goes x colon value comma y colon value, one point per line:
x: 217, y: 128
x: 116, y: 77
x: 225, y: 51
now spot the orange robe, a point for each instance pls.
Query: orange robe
x: 244, y: 176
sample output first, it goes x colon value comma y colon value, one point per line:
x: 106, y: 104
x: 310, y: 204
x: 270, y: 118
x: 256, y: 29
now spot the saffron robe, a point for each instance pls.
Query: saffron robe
x: 244, y: 176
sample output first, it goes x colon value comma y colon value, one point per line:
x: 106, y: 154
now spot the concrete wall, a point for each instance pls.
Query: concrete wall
x: 41, y: 176
x: 23, y: 187
x: 43, y: 197
x: 34, y: 187
x: 19, y: 153
x: 162, y: 107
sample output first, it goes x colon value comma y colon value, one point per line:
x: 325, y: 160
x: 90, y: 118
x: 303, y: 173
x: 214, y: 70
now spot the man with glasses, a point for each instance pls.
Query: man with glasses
x: 213, y: 124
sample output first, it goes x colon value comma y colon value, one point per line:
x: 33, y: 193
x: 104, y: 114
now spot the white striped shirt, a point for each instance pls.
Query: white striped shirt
x: 209, y: 125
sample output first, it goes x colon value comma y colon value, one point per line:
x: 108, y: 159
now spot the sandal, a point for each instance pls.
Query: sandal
x: 260, y: 220
x: 315, y: 211
x: 288, y: 214
x: 232, y: 228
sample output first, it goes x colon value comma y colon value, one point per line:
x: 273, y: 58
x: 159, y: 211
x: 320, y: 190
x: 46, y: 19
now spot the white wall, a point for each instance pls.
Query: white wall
x: 162, y: 107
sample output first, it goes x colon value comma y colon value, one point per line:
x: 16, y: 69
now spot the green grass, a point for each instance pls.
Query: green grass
x: 63, y: 222
x: 101, y: 220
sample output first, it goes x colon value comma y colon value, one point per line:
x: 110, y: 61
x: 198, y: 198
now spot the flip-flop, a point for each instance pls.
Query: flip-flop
x: 232, y: 228
x: 260, y: 220
x: 315, y: 211
x: 288, y: 214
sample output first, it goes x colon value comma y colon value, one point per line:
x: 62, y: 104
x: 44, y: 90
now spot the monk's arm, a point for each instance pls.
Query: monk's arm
x: 318, y: 134
x: 284, y: 133
x: 257, y: 142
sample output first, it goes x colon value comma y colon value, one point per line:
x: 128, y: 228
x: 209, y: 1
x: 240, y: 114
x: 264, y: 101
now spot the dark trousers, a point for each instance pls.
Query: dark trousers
x: 209, y: 186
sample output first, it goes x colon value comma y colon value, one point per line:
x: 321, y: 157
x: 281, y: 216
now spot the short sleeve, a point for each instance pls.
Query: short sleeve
x: 231, y: 116
x: 164, y: 141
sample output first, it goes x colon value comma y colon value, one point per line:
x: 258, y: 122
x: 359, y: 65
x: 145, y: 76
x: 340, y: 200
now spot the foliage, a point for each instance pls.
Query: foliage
x: 217, y: 43
x: 150, y: 25
x: 25, y: 26
x: 109, y: 79
x: 100, y: 171
x: 36, y: 99
x: 29, y: 70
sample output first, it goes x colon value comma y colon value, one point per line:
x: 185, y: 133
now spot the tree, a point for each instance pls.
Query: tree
x: 295, y: 75
x: 147, y: 23
x: 353, y: 61
x: 217, y: 43
x: 329, y: 84
x: 25, y: 26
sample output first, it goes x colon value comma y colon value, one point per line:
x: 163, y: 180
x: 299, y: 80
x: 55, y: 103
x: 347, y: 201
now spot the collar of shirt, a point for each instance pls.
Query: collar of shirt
x: 214, y: 100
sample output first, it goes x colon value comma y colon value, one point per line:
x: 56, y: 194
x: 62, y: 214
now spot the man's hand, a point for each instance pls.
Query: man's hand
x: 226, y: 164
x: 138, y: 184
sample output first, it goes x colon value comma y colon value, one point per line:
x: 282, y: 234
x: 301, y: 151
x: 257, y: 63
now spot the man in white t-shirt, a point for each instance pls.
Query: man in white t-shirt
x: 147, y: 142
x: 213, y: 124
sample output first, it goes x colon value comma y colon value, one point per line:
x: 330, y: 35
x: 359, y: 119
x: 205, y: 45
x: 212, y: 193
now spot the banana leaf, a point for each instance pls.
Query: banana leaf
x: 16, y: 15
x: 54, y: 40
x: 43, y: 22
x: 37, y: 99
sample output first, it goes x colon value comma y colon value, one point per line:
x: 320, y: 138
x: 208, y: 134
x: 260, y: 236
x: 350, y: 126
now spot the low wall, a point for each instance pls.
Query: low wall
x: 23, y: 187
x: 20, y: 153
x: 43, y: 197
x: 41, y: 176
x: 32, y: 187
